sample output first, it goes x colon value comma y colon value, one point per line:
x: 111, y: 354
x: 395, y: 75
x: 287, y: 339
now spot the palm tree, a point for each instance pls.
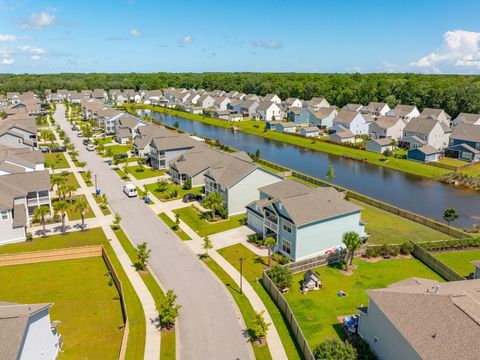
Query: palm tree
x: 62, y: 191
x: 214, y: 201
x: 352, y: 242
x: 270, y: 242
x: 58, y: 180
x: 82, y: 206
x: 61, y: 207
x: 70, y: 189
x: 40, y: 213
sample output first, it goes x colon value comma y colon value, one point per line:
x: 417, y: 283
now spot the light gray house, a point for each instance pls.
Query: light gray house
x: 248, y: 107
x: 144, y: 136
x: 166, y: 148
x: 20, y: 160
x: 437, y: 114
x: 376, y: 109
x: 423, y: 319
x: 466, y: 118
x: 237, y: 180
x: 19, y: 133
x: 26, y: 332
x: 316, y: 103
x: 387, y: 126
x: 379, y: 146
x: 405, y: 112
x: 431, y: 131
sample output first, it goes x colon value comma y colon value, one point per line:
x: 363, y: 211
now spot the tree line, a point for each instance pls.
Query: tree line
x: 454, y: 93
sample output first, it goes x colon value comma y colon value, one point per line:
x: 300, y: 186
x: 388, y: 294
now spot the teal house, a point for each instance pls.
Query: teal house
x: 323, y: 117
x: 306, y: 221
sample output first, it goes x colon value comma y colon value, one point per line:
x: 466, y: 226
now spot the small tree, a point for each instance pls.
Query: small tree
x: 162, y: 185
x: 213, y: 201
x: 82, y: 206
x: 143, y: 254
x: 270, y: 243
x: 187, y: 185
x: 281, y: 276
x: 116, y: 222
x: 450, y: 214
x: 40, y: 213
x: 61, y: 207
x: 207, y: 245
x: 330, y: 173
x: 108, y: 152
x: 70, y: 189
x: 259, y: 328
x: 352, y: 242
x: 176, y: 125
x: 334, y: 349
x: 168, y: 311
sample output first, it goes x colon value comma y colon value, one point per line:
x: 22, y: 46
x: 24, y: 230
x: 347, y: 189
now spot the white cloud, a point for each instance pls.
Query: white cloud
x: 460, y: 48
x: 7, y: 61
x: 32, y: 49
x: 35, y: 57
x: 7, y: 38
x: 38, y: 21
x: 267, y: 44
x: 186, y: 40
x: 136, y: 33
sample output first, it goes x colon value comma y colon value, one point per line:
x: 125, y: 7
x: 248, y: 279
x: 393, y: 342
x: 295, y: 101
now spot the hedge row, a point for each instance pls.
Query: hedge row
x: 463, y: 243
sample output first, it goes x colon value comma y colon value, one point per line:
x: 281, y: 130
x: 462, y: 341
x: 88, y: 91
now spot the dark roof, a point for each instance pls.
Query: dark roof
x: 466, y: 132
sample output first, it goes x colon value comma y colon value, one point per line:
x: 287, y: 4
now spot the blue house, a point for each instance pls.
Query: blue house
x: 424, y: 154
x: 306, y: 221
x: 465, y: 143
x: 300, y: 116
x: 322, y: 118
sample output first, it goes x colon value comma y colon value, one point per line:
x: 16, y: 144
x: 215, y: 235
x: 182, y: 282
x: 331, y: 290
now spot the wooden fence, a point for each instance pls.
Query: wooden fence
x: 435, y: 264
x: 452, y: 167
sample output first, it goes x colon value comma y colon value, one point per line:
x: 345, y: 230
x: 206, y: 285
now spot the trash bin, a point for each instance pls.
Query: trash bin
x: 109, y: 162
x: 98, y: 192
x: 147, y: 200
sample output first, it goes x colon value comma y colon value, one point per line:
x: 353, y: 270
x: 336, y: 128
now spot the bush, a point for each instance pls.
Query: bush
x: 223, y: 213
x: 406, y: 248
x: 281, y: 276
x: 255, y: 239
x: 29, y: 236
x: 334, y: 349
x: 280, y: 258
x: 387, y: 153
x: 187, y: 185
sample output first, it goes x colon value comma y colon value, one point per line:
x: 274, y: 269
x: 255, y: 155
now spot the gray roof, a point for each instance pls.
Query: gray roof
x: 26, y: 124
x: 22, y: 156
x: 466, y: 132
x: 323, y: 112
x: 268, y: 97
x: 386, y: 122
x: 175, y: 141
x: 421, y: 125
x: 124, y: 132
x: 441, y: 321
x: 383, y: 141
x: 346, y: 116
x: 148, y: 132
x: 230, y: 170
x: 344, y: 134
x: 285, y: 188
x: 353, y: 107
x: 311, y: 128
x: 468, y: 118
x: 413, y: 138
x: 374, y: 106
x: 403, y: 110
x: 18, y: 185
x: 265, y: 105
x: 13, y: 325
x: 128, y: 120
x: 433, y: 113
x: 428, y: 150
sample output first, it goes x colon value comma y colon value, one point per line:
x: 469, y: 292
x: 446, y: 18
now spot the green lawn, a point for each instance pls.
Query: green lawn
x: 451, y: 161
x: 317, y: 311
x: 69, y: 179
x: 253, y: 267
x: 168, y: 344
x: 95, y: 236
x: 88, y: 182
x: 141, y: 194
x: 164, y: 196
x: 170, y: 223
x: 119, y: 149
x: 98, y: 200
x: 460, y: 261
x: 58, y: 160
x: 121, y: 174
x: 269, y: 168
x: 101, y: 140
x: 72, y: 214
x: 202, y: 227
x: 94, y: 329
x: 387, y: 228
x: 248, y: 313
x: 472, y: 170
x: 140, y: 172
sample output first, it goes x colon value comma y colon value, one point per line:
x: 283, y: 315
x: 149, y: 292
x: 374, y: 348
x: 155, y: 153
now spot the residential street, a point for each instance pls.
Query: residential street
x: 210, y: 326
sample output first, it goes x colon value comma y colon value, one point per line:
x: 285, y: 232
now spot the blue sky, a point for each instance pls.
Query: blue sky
x: 426, y: 36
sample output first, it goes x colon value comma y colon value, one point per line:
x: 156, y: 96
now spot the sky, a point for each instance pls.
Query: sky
x: 424, y: 36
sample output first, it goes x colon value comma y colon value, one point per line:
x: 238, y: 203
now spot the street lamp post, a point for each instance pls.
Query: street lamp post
x: 96, y: 188
x: 241, y: 273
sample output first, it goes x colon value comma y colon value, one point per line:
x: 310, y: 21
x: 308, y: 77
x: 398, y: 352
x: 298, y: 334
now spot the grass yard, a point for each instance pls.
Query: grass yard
x: 69, y: 179
x: 98, y: 199
x: 164, y: 196
x: 57, y: 160
x: 167, y: 348
x: 248, y: 313
x: 317, y: 311
x: 253, y: 267
x: 472, y: 170
x: 387, y: 228
x: 202, y: 227
x: 72, y: 214
x: 94, y: 329
x: 269, y: 168
x: 85, y: 178
x: 119, y: 149
x: 121, y: 174
x: 460, y: 261
x: 136, y: 317
x: 101, y: 140
x: 140, y: 172
x: 170, y: 223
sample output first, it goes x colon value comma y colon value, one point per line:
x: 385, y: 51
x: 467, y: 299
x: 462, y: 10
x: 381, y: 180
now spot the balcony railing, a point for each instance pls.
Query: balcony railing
x: 38, y: 201
x: 271, y: 225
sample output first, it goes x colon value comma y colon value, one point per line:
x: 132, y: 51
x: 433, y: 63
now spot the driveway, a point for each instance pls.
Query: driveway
x: 210, y: 326
x: 238, y: 235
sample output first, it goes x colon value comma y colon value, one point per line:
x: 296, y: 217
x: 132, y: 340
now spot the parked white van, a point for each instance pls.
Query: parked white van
x: 130, y: 190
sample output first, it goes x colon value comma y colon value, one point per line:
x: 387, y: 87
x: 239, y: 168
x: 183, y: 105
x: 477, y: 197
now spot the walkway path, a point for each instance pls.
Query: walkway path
x: 210, y: 325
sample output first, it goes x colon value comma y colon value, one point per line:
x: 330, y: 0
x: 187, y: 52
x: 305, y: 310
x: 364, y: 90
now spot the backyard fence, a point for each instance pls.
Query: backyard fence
x: 452, y: 167
x: 287, y: 312
x: 435, y: 264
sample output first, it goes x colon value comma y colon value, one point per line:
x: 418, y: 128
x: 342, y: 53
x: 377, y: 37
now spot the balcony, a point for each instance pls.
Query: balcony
x: 42, y: 200
x: 272, y: 225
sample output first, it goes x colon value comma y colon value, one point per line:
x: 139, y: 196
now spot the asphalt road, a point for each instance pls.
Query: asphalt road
x: 209, y: 323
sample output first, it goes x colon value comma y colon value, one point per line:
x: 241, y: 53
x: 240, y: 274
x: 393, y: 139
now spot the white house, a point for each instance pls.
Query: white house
x: 316, y: 103
x: 272, y: 98
x: 466, y: 118
x: 26, y: 332
x: 269, y: 111
x: 437, y: 114
x: 387, y: 126
x: 205, y: 101
x: 310, y: 131
x: 221, y: 103
x: 20, y: 160
x: 405, y: 112
x: 376, y: 109
x: 353, y: 121
x: 292, y: 102
x: 431, y: 131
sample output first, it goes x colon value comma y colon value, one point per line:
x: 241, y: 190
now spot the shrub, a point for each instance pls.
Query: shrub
x: 280, y: 258
x: 281, y: 276
x: 173, y: 193
x: 387, y: 153
x: 223, y: 213
x: 29, y: 236
x: 334, y: 349
x: 187, y: 185
x: 255, y: 239
x: 406, y: 248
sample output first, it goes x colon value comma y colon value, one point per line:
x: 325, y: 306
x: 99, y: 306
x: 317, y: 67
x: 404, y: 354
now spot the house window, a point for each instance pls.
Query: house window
x: 286, y: 246
x: 287, y: 227
x: 3, y: 215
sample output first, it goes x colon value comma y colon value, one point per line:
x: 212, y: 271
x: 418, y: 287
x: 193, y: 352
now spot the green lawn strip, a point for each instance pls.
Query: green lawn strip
x: 323, y: 322
x: 248, y: 313
x: 94, y: 328
x: 121, y: 174
x: 202, y: 227
x: 269, y: 168
x: 387, y: 228
x: 170, y: 223
x: 168, y: 338
x: 253, y: 266
x: 141, y: 194
x: 95, y: 236
x: 69, y: 179
x: 163, y: 196
x: 140, y: 172
x: 119, y: 149
x: 98, y: 199
x: 257, y: 128
x: 460, y: 261
x: 72, y: 213
x: 83, y: 174
x: 58, y: 160
x: 101, y: 140
x: 472, y: 170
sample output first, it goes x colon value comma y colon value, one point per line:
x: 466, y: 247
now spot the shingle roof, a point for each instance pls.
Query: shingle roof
x: 468, y: 118
x: 383, y: 141
x: 466, y: 132
x: 17, y: 185
x: 353, y: 107
x: 285, y: 188
x: 403, y: 110
x: 346, y: 116
x: 22, y: 156
x: 173, y: 142
x: 386, y: 122
x: 428, y: 150
x: 421, y: 125
x: 230, y: 170
x: 434, y: 113
x: 441, y: 321
x: 323, y: 112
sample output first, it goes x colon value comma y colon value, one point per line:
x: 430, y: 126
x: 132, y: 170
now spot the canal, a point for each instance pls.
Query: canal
x: 411, y: 192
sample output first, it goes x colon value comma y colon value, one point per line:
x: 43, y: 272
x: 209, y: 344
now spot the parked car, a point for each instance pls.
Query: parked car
x: 79, y: 134
x: 45, y: 149
x: 130, y: 190
x: 90, y: 147
x: 191, y: 197
x: 57, y: 149
x: 122, y: 156
x: 85, y: 141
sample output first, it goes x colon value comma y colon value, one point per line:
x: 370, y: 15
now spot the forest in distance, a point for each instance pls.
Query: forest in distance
x: 454, y: 93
